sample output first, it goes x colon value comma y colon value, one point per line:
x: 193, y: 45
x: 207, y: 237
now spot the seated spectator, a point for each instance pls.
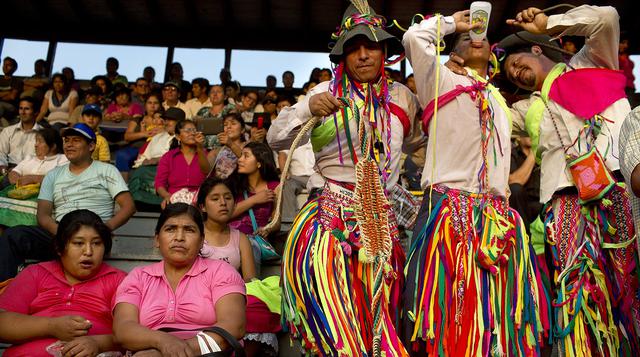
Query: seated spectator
x: 232, y: 90
x: 142, y: 178
x: 112, y: 65
x: 150, y: 75
x: 269, y: 104
x: 247, y: 105
x: 218, y: 108
x: 183, y: 168
x: 230, y: 143
x: 81, y: 184
x: 315, y: 75
x: 225, y: 76
x: 176, y: 75
x: 92, y: 116
x: 200, y: 97
x: 221, y: 242
x: 36, y: 85
x: 171, y: 96
x: 288, y: 79
x: 305, y: 89
x: 183, y: 293
x: 68, y: 299
x: 271, y: 83
x: 283, y: 102
x: 17, y: 141
x: 325, y: 75
x: 122, y: 110
x: 91, y: 96
x: 71, y: 78
x: 141, y: 91
x: 58, y: 102
x: 137, y: 134
x: 256, y: 178
x: 159, y: 144
x: 106, y: 89
x: 48, y: 155
x: 10, y: 88
x: 32, y: 170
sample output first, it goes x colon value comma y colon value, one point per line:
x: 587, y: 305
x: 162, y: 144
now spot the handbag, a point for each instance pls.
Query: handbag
x: 590, y: 174
x: 267, y: 252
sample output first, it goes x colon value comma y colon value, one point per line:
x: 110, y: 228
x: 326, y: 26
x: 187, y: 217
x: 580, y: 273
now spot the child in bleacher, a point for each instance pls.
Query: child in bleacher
x: 217, y: 202
x: 92, y: 116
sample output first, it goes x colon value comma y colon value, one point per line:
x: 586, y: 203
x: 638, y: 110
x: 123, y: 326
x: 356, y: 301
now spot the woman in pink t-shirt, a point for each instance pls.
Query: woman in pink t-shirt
x: 68, y: 299
x: 184, y: 293
x: 222, y: 242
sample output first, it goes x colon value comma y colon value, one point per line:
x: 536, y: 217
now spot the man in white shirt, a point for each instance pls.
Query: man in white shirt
x: 81, y: 184
x: 18, y: 141
x: 200, y: 91
x: 574, y: 118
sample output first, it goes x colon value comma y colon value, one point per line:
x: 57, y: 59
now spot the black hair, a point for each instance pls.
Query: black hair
x: 328, y: 71
x: 106, y: 80
x: 202, y: 82
x: 13, y: 62
x: 64, y: 80
x: 179, y: 209
x: 271, y: 76
x: 268, y: 170
x: 208, y: 185
x: 71, y: 223
x: 149, y: 68
x: 29, y: 99
x: 288, y: 98
x: 114, y: 60
x: 233, y: 84
x: 140, y: 79
x: 179, y: 125
x: 237, y: 117
x: 73, y: 73
x: 288, y: 72
x: 51, y: 137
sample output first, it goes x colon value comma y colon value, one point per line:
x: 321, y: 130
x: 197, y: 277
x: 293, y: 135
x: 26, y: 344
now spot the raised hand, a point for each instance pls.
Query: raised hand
x: 323, y: 104
x: 463, y: 23
x: 531, y: 20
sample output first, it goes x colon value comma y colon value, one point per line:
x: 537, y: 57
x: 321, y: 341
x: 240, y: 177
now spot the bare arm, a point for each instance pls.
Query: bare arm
x: 45, y: 218
x: 131, y: 134
x: 522, y: 174
x: 44, y: 109
x: 14, y: 178
x: 247, y: 265
x: 130, y: 334
x: 19, y: 328
x: 127, y: 209
x: 231, y: 316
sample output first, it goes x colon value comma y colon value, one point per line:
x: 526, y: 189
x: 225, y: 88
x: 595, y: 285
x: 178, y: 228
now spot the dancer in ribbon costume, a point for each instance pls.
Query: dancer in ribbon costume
x: 574, y: 119
x: 342, y: 263
x: 472, y: 284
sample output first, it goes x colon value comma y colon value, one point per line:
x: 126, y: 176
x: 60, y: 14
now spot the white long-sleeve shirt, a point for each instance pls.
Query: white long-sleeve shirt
x: 285, y: 128
x: 456, y: 133
x: 16, y: 144
x: 601, y: 29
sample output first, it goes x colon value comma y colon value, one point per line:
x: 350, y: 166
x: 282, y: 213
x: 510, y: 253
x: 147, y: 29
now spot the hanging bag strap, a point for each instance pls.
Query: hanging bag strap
x: 254, y: 223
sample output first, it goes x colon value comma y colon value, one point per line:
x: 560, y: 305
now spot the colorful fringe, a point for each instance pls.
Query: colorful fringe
x: 477, y: 287
x: 595, y: 275
x: 328, y: 287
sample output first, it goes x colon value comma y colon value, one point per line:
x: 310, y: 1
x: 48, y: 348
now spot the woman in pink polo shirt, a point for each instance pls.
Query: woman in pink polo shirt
x: 68, y: 299
x: 184, y: 293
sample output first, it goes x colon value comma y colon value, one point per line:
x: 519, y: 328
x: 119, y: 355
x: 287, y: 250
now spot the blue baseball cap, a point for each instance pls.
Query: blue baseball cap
x: 80, y: 129
x: 92, y: 108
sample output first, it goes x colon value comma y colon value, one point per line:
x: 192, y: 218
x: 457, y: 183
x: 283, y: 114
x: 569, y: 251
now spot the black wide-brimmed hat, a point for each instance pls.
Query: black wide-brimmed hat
x: 363, y: 23
x: 522, y: 40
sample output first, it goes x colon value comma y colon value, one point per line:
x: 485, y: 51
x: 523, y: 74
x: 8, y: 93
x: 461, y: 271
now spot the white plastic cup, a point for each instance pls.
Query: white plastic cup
x: 479, y: 12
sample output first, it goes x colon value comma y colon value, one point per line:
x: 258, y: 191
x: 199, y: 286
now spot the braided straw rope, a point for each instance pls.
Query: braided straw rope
x: 285, y: 170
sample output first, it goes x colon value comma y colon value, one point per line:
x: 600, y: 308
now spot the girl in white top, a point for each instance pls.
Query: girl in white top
x: 48, y: 156
x: 59, y: 101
